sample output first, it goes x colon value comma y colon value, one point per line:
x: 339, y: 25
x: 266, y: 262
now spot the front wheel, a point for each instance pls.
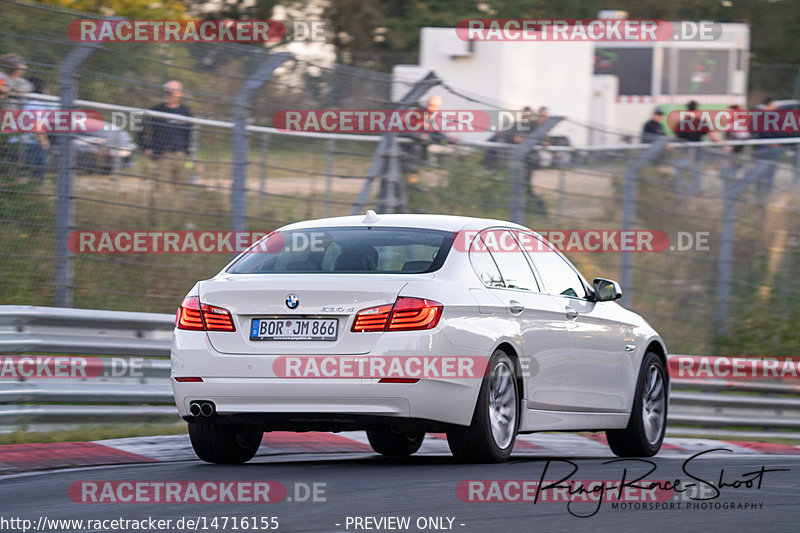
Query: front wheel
x: 387, y: 442
x: 491, y: 435
x: 224, y: 443
x: 648, y: 422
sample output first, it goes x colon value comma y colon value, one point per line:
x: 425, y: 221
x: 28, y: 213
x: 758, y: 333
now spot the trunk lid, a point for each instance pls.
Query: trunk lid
x: 338, y: 296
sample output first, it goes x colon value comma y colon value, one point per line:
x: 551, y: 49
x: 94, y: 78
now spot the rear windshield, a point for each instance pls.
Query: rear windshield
x: 347, y: 250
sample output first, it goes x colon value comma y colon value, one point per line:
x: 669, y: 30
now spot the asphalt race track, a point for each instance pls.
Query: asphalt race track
x: 756, y: 491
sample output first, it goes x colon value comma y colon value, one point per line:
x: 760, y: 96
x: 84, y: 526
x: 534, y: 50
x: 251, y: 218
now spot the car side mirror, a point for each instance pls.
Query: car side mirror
x: 606, y: 290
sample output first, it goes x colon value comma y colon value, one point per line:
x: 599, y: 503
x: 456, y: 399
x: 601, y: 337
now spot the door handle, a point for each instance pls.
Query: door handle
x: 515, y: 307
x: 571, y: 313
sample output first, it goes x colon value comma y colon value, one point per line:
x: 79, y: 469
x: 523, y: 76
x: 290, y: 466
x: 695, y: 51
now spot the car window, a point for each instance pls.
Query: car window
x: 347, y: 250
x: 514, y: 268
x: 483, y: 264
x: 557, y: 274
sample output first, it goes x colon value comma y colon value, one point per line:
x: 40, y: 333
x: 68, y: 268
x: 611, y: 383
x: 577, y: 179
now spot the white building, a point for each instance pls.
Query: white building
x: 612, y: 86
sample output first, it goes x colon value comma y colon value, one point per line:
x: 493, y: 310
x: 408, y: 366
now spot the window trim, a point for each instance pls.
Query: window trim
x: 565, y: 259
x: 534, y: 273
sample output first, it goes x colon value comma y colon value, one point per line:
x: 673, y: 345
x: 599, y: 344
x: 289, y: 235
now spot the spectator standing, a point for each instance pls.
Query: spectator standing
x: 653, y: 127
x: 692, y: 160
x: 768, y: 154
x: 168, y: 141
x: 415, y: 154
x: 37, y: 144
x: 737, y: 135
x: 15, y: 86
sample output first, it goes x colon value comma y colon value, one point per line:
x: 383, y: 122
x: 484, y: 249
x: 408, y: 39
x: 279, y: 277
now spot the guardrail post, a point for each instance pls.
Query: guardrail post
x: 241, y: 107
x: 64, y: 220
x: 629, y: 208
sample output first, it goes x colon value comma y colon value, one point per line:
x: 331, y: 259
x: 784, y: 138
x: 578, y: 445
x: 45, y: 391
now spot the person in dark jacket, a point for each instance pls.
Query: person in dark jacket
x: 653, y: 127
x: 167, y: 141
x: 768, y: 154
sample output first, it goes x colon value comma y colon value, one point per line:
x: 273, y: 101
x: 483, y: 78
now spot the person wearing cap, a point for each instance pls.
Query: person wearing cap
x: 15, y: 86
x: 168, y: 141
x: 653, y: 127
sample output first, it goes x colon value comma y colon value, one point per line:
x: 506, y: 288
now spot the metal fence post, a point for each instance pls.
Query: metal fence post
x: 391, y: 195
x: 725, y: 253
x: 562, y: 192
x: 193, y: 135
x: 64, y: 221
x: 732, y: 189
x: 241, y: 107
x: 379, y: 164
x: 329, y: 162
x: 629, y: 208
x: 262, y: 175
x: 519, y: 167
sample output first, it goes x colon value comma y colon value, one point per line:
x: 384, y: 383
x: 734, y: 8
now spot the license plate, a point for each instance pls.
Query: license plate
x: 294, y: 329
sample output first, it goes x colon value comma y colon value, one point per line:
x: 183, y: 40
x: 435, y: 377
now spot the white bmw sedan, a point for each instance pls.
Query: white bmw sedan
x: 405, y: 324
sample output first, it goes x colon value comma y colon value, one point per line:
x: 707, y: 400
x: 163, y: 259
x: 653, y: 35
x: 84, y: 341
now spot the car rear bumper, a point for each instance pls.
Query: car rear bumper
x: 429, y: 399
x: 247, y: 385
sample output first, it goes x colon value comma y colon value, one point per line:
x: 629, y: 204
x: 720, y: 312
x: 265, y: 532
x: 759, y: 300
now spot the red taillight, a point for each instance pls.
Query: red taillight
x: 405, y: 315
x: 217, y: 318
x: 415, y: 313
x: 372, y: 319
x: 189, y: 380
x: 191, y: 315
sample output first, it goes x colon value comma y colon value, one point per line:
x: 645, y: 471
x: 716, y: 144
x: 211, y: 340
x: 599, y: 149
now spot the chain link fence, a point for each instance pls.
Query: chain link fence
x: 726, y: 277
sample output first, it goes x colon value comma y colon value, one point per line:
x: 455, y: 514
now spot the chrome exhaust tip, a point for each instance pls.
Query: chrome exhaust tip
x: 207, y: 409
x: 195, y: 409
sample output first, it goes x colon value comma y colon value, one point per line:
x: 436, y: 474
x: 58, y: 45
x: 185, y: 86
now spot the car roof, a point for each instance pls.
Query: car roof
x: 437, y: 222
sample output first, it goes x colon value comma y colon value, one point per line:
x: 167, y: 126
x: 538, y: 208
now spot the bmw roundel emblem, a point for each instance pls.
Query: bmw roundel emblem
x: 292, y: 301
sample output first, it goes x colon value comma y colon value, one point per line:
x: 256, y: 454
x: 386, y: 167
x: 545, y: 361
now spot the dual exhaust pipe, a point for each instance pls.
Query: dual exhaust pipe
x: 202, y: 408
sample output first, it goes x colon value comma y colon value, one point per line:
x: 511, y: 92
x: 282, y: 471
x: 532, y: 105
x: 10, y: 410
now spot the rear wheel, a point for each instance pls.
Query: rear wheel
x: 224, y: 443
x: 387, y: 442
x: 645, y: 431
x: 490, y: 437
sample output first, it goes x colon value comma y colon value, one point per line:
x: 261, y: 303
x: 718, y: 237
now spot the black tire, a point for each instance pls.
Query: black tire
x: 224, y: 443
x: 387, y: 442
x: 477, y: 443
x: 633, y: 441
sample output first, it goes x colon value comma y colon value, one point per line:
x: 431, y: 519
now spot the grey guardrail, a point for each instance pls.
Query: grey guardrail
x: 25, y: 329
x: 708, y: 407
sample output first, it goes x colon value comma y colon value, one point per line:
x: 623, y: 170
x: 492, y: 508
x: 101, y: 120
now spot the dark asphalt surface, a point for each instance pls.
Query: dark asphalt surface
x: 362, y: 485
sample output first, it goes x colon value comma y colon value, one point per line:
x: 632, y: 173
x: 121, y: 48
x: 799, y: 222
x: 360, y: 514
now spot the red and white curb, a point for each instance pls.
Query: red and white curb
x: 38, y: 456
